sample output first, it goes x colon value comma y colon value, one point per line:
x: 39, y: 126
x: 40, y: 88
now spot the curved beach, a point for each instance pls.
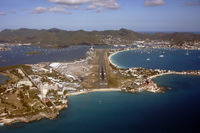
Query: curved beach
x: 110, y: 56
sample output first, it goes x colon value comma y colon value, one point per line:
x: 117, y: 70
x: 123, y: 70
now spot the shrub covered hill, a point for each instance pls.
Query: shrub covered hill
x: 61, y: 38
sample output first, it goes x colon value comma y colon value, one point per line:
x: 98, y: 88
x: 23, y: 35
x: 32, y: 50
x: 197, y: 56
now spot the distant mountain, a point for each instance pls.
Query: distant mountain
x: 56, y: 37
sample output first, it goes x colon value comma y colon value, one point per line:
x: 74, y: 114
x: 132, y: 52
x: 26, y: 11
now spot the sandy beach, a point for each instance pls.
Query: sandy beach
x: 162, y: 74
x: 94, y: 90
x: 109, y: 58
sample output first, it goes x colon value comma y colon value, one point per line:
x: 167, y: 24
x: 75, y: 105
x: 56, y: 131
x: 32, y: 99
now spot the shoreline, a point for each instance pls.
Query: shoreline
x: 172, y: 72
x: 161, y: 73
x: 85, y: 91
x: 94, y: 90
x: 129, y: 49
x: 110, y: 60
x: 38, y: 117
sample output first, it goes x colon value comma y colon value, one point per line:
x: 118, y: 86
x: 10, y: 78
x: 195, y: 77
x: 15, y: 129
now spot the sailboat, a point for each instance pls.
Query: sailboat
x: 147, y: 59
x: 161, y: 56
x: 187, y: 53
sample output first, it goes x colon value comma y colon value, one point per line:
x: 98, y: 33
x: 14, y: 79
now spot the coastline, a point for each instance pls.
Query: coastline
x: 168, y: 73
x: 154, y: 86
x: 38, y: 117
x: 42, y: 115
x: 129, y: 49
x: 110, y: 56
x: 172, y: 72
x: 94, y: 90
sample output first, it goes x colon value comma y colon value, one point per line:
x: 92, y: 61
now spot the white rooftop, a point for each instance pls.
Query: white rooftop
x: 54, y: 65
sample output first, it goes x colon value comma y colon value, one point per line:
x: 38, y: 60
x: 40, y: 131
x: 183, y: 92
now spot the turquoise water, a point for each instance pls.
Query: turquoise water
x: 174, y: 111
x: 174, y: 59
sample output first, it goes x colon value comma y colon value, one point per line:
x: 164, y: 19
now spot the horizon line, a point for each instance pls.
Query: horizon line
x: 140, y: 31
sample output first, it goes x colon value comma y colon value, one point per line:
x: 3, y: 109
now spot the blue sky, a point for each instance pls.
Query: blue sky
x: 138, y: 15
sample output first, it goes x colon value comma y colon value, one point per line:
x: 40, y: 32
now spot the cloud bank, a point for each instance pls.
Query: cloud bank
x: 111, y: 4
x: 154, y: 2
x: 59, y: 8
x: 63, y: 5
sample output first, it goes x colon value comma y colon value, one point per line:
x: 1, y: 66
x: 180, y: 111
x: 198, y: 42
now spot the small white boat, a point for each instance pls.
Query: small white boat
x: 148, y: 59
x: 123, y: 45
x: 161, y: 56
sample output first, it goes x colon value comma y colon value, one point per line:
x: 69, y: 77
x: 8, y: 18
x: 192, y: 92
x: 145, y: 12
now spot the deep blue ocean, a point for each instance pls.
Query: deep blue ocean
x: 176, y: 111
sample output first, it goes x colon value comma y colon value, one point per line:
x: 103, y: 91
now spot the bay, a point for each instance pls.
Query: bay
x: 168, y: 59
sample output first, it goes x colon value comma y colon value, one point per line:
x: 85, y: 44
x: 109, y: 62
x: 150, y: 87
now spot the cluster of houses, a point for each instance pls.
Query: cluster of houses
x: 47, y: 80
x: 143, y: 80
x: 4, y: 48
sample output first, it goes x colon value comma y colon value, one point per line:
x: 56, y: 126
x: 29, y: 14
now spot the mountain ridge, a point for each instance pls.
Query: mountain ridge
x: 57, y: 37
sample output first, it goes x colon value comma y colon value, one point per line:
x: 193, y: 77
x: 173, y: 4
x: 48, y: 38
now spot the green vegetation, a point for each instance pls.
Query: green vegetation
x: 61, y: 38
x: 10, y: 67
x: 33, y: 52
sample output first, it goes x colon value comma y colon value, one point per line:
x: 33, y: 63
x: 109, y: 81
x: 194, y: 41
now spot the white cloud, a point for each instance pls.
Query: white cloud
x: 111, y: 4
x: 71, y: 2
x: 90, y: 7
x: 99, y: 10
x: 62, y: 5
x: 154, y: 2
x: 40, y: 10
x: 3, y: 13
x: 60, y: 9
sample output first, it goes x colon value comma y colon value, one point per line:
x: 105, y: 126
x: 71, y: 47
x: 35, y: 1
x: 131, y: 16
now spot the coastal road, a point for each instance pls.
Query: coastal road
x: 103, y: 81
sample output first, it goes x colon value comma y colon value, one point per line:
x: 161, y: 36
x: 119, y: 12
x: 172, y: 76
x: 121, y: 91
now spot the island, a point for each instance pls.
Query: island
x: 36, y: 91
